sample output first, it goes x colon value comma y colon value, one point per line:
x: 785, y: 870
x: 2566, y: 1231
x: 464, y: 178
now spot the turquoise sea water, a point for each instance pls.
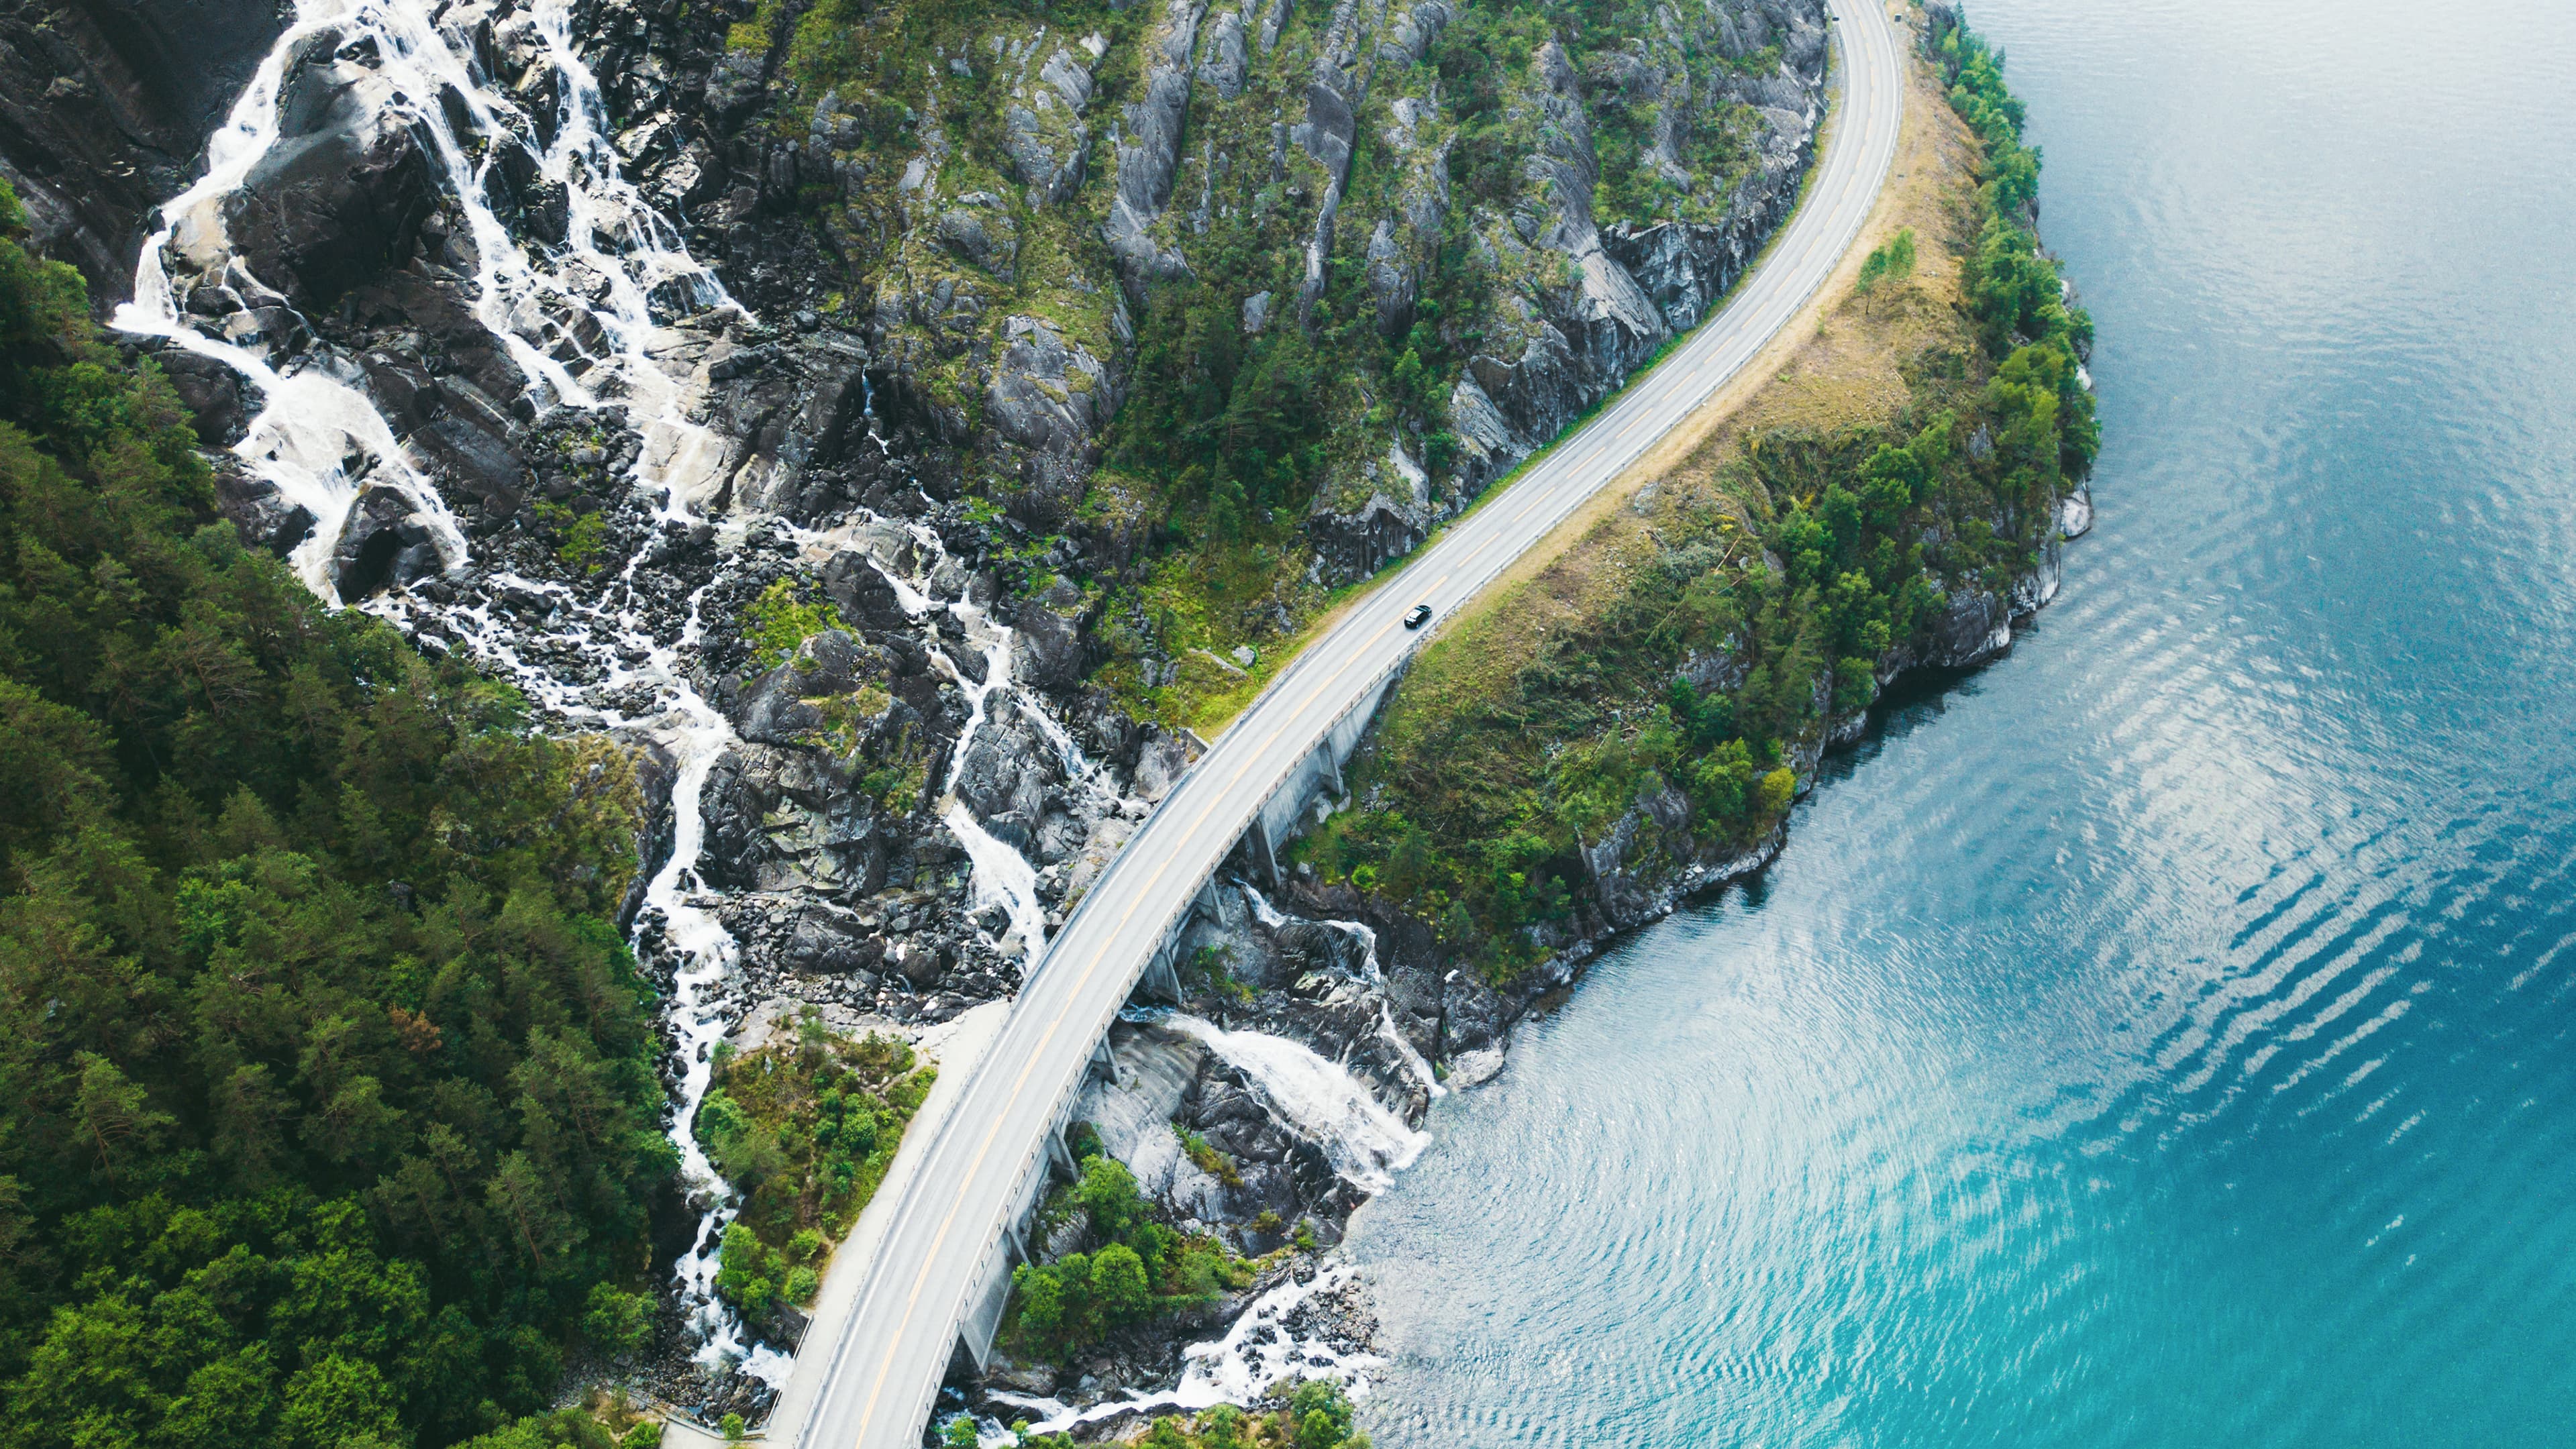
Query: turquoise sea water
x: 2168, y: 1036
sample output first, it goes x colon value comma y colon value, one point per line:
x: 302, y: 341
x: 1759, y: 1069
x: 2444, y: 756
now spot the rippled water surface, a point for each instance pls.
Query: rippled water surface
x: 2163, y: 1038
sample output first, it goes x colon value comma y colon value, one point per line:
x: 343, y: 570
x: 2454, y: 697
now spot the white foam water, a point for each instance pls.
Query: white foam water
x: 1258, y: 1350
x: 1002, y: 874
x: 1370, y: 971
x: 1365, y: 1142
x: 318, y: 436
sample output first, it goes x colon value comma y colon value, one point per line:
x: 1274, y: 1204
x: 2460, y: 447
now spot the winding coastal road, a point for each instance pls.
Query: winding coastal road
x: 871, y: 1385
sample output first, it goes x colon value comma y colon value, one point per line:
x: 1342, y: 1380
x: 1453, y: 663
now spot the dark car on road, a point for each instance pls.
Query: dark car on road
x: 1417, y: 616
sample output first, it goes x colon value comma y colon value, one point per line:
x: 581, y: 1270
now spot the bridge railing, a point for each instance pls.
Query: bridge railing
x: 992, y: 1271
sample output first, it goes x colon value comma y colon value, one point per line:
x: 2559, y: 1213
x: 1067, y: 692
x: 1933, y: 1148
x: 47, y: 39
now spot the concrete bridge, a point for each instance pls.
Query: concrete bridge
x: 938, y: 1266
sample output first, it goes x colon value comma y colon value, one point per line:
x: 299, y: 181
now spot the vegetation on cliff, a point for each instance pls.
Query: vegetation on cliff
x: 1130, y: 1266
x: 1308, y: 1414
x: 1650, y: 698
x: 805, y: 1129
x: 327, y: 1088
x: 1194, y: 300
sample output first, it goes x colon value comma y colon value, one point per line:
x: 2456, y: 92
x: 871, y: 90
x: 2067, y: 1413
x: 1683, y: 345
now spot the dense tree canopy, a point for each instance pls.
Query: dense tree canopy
x: 327, y: 1094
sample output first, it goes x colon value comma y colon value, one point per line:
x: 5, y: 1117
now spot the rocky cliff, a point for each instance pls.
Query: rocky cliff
x: 868, y: 413
x: 105, y: 110
x: 1633, y: 724
x: 662, y: 307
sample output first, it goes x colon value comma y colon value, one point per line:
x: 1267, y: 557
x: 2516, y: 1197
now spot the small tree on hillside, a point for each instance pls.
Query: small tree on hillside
x: 1892, y: 263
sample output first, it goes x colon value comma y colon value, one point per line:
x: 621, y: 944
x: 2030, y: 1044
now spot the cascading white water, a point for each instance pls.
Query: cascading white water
x: 317, y: 434
x: 320, y: 441
x: 1258, y: 1350
x: 1001, y: 874
x: 1370, y: 971
x: 315, y: 421
x: 1366, y: 1143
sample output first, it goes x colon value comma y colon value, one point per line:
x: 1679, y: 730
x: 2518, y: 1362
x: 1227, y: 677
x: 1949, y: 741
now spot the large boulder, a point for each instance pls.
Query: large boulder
x: 1045, y: 136
x: 1008, y: 772
x: 220, y: 401
x: 341, y: 195
x: 784, y: 819
x: 1048, y: 399
x: 862, y: 592
x: 1047, y: 650
x: 384, y: 543
x: 259, y: 512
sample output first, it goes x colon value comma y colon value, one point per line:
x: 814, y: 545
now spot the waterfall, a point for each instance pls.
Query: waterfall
x: 1270, y: 916
x: 1365, y: 1142
x: 1259, y: 1349
x: 317, y: 436
x: 1001, y: 873
x: 581, y: 323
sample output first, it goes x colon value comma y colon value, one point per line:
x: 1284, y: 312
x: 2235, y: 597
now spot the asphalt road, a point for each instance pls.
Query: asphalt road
x: 881, y: 1373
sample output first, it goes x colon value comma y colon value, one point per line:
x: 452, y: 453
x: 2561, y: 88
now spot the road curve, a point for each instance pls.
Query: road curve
x: 881, y: 1374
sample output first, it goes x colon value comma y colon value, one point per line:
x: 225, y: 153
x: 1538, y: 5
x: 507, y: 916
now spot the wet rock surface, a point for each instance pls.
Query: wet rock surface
x: 596, y: 410
x: 105, y: 107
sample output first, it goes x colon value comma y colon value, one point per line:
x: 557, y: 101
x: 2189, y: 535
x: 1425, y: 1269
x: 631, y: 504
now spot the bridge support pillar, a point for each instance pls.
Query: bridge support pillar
x: 1162, y: 978
x: 1256, y: 849
x: 1060, y: 1155
x: 1207, y: 905
x: 1105, y: 1062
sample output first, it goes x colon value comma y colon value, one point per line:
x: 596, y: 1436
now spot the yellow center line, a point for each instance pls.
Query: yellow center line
x: 1642, y: 409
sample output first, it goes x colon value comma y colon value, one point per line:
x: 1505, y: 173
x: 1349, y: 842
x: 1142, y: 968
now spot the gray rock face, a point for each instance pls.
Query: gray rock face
x: 383, y: 542
x: 1222, y: 58
x: 1150, y: 152
x: 1405, y: 244
x: 1047, y: 139
x: 1974, y: 626
x: 105, y: 107
x: 1048, y: 650
x: 1338, y: 85
x: 782, y: 818
x: 343, y: 193
x: 259, y: 513
x: 1686, y: 266
x: 1045, y: 406
x: 1396, y: 515
x: 792, y: 416
x: 1619, y: 292
x: 1409, y: 34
